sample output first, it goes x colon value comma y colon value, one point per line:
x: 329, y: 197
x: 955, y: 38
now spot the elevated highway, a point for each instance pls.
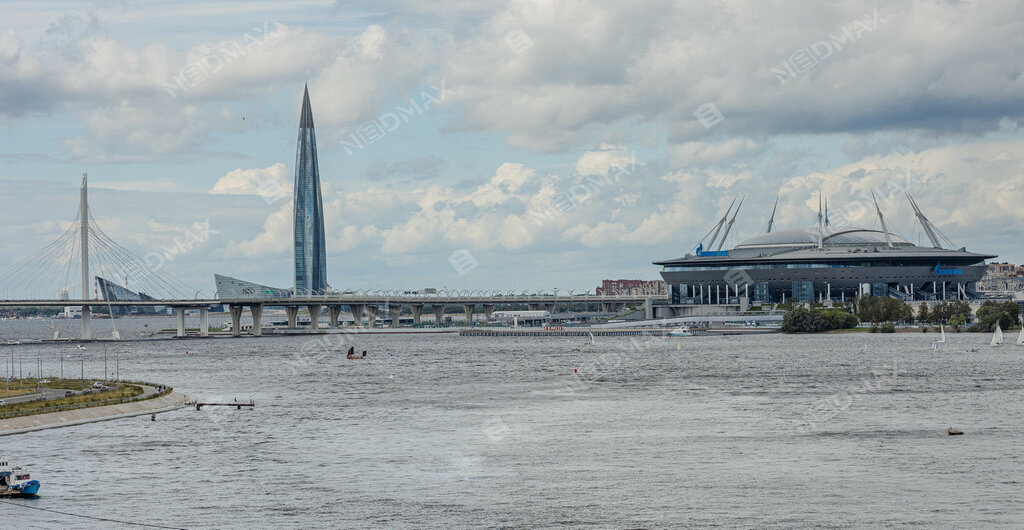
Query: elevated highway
x: 369, y: 304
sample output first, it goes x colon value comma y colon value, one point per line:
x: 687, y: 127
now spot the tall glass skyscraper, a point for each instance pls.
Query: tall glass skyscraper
x: 310, y: 250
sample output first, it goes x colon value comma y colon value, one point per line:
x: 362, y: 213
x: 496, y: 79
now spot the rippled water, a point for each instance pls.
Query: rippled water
x: 438, y: 431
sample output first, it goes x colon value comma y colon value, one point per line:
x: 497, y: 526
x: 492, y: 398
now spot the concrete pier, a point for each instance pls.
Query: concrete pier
x: 357, y: 314
x: 314, y: 316
x: 257, y: 323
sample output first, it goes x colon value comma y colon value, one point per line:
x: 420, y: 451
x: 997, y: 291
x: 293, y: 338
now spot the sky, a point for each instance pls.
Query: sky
x: 503, y: 145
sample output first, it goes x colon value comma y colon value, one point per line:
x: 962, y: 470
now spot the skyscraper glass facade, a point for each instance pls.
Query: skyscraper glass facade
x: 310, y: 249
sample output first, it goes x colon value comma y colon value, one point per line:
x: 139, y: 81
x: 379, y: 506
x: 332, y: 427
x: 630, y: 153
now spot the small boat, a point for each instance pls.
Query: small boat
x: 16, y: 482
x: 681, y: 332
x: 352, y: 353
x: 997, y: 337
x: 81, y: 346
x: 937, y: 345
x: 954, y: 432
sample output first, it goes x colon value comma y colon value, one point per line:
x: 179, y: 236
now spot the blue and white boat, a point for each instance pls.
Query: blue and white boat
x: 683, y: 331
x: 15, y: 481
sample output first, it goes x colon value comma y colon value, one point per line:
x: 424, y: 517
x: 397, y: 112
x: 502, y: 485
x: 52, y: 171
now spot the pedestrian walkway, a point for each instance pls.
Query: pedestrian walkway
x: 51, y: 420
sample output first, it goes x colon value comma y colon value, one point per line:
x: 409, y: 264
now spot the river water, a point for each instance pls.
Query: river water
x: 442, y: 431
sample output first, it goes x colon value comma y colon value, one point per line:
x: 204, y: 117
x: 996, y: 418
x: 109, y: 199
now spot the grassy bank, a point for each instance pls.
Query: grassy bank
x: 124, y: 393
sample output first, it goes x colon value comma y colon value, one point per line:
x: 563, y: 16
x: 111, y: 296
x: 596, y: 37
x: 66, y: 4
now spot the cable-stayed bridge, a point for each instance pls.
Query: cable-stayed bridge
x: 84, y: 267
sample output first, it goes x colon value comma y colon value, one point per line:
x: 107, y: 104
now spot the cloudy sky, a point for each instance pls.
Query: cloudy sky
x: 540, y: 144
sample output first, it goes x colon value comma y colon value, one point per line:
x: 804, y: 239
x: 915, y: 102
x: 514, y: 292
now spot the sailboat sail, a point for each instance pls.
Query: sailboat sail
x: 997, y: 337
x: 936, y: 344
x: 1020, y: 338
x: 591, y: 338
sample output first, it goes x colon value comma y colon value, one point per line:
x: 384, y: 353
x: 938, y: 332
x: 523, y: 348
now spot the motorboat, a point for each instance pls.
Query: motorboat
x: 681, y: 332
x: 16, y: 482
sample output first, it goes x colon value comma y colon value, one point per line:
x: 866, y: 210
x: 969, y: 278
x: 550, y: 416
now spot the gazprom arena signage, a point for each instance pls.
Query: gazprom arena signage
x: 710, y: 253
x: 946, y: 272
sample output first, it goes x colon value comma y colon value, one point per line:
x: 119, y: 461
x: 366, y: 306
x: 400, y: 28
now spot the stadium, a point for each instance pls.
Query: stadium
x: 820, y: 263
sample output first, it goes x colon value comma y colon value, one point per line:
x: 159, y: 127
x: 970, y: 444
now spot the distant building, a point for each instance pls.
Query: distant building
x: 632, y: 287
x: 112, y: 291
x: 819, y: 263
x: 310, y: 246
x: 233, y: 288
x: 310, y: 267
x: 1002, y: 277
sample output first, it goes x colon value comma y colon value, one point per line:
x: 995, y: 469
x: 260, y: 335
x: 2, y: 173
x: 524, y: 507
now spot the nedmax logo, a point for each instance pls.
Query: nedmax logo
x: 946, y: 272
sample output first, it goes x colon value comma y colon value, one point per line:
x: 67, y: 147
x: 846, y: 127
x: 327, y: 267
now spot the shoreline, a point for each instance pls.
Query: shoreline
x: 54, y: 420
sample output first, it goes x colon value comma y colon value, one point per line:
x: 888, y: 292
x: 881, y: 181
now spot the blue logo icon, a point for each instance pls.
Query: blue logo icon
x: 946, y: 272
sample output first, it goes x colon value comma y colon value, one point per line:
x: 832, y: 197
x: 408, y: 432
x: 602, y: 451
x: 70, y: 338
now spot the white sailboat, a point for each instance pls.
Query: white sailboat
x: 1020, y: 337
x: 997, y: 337
x: 937, y: 344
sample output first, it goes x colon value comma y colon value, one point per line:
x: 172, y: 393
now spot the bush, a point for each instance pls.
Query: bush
x: 802, y: 320
x: 888, y: 327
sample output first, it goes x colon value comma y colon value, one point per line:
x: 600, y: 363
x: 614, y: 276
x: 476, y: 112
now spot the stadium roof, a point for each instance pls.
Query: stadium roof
x: 803, y: 238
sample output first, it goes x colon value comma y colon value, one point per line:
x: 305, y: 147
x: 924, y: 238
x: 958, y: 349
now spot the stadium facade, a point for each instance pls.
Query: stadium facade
x: 820, y: 263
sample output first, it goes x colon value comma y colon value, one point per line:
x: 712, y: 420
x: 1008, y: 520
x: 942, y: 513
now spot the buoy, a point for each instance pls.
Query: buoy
x: 153, y: 417
x: 575, y: 371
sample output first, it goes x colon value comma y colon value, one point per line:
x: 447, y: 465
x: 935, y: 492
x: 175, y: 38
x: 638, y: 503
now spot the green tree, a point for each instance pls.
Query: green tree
x: 922, y: 313
x: 802, y: 320
x: 992, y: 313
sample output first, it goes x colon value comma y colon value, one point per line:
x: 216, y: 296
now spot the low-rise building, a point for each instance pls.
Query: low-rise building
x: 632, y: 287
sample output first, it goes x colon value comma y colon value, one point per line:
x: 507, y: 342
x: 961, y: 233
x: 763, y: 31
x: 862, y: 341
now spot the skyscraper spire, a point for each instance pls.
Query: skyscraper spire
x: 310, y: 246
x: 306, y: 118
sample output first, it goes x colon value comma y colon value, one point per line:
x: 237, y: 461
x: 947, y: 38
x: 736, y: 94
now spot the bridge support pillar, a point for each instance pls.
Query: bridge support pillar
x: 236, y: 320
x: 357, y: 314
x: 649, y: 309
x: 417, y: 312
x: 179, y: 313
x: 438, y: 314
x: 314, y: 316
x: 533, y: 307
x: 332, y: 313
x: 257, y: 315
x: 488, y: 311
x: 371, y: 316
x: 204, y: 321
x: 292, y: 311
x: 605, y: 307
x: 395, y: 312
x: 468, y: 310
x: 86, y: 327
x: 550, y: 308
